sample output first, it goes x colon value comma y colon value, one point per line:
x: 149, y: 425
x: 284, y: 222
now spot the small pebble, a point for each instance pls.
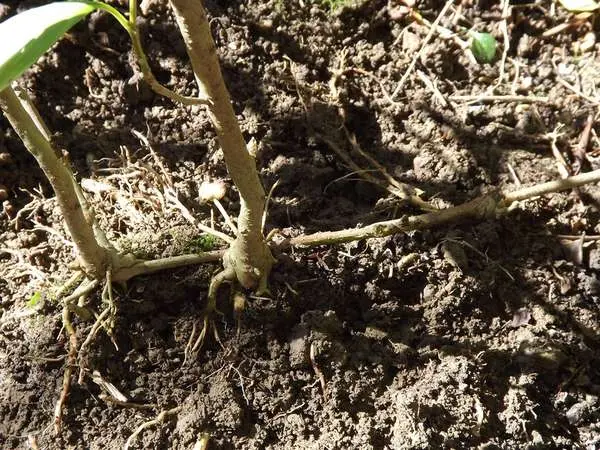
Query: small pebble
x: 8, y: 209
x: 577, y: 413
x: 5, y: 159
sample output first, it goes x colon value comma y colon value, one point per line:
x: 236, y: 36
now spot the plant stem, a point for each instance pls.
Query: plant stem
x: 92, y: 256
x: 249, y: 255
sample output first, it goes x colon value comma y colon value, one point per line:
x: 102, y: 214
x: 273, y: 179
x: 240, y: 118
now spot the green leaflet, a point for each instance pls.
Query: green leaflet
x: 483, y: 46
x: 27, y: 36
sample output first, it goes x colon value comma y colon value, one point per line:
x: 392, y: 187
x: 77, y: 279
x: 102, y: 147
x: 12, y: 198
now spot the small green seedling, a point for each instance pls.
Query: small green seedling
x: 483, y: 46
x: 34, y: 300
x: 333, y: 5
x: 202, y: 243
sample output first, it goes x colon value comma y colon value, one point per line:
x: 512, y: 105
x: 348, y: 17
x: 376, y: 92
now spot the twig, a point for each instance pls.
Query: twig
x: 432, y: 87
x: 318, y: 372
x: 578, y: 19
x: 563, y: 167
x: 267, y: 202
x: 483, y: 98
x: 579, y: 151
x: 228, y: 220
x: 130, y: 25
x: 403, y: 191
x: 172, y: 197
x: 157, y: 421
x: 514, y: 175
x: 569, y: 86
x: 575, y: 237
x: 552, y: 186
x: 504, y: 30
x: 418, y: 56
x: 392, y: 182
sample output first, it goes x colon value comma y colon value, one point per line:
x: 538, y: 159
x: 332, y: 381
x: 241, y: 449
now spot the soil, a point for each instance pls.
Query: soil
x: 479, y: 335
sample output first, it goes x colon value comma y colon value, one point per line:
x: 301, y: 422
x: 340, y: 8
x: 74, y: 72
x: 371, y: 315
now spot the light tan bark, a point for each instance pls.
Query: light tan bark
x: 249, y: 255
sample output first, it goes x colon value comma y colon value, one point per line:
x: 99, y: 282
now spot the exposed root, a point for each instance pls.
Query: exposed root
x: 239, y: 304
x: 227, y: 274
x: 156, y: 421
x: 69, y: 367
x: 88, y: 340
x: 486, y: 206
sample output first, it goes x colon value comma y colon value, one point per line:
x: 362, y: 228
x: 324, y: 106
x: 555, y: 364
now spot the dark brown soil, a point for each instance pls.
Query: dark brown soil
x: 482, y: 335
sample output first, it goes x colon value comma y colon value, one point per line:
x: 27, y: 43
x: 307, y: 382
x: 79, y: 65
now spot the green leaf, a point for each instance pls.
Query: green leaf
x: 34, y: 300
x: 580, y: 5
x: 27, y: 36
x: 483, y: 46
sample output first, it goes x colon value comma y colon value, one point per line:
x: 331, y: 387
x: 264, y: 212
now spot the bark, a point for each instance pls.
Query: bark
x: 249, y: 255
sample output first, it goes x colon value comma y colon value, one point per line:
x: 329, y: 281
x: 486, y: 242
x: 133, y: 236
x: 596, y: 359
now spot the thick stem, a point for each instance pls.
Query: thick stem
x: 92, y: 256
x: 249, y: 255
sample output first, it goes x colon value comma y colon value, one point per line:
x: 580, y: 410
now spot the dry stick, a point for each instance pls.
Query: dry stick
x: 171, y: 196
x: 92, y: 256
x: 394, y: 186
x: 363, y: 173
x: 318, y: 371
x: 158, y: 420
x: 483, y: 98
x: 152, y: 81
x: 504, y: 29
x: 485, y: 206
x: 226, y: 217
x: 563, y: 167
x: 432, y: 87
x: 418, y: 56
x: 576, y: 91
x: 579, y: 151
x: 575, y: 237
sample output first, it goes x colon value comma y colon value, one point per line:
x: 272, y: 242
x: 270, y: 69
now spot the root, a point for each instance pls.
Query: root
x: 157, y: 421
x: 88, y: 340
x: 71, y: 361
x: 227, y: 274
